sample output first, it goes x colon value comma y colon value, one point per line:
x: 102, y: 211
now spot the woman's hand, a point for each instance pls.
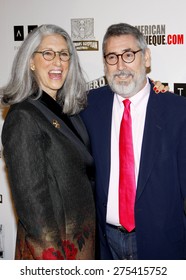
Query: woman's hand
x: 159, y: 87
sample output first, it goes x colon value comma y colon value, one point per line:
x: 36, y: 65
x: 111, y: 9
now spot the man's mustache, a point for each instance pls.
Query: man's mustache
x: 123, y: 73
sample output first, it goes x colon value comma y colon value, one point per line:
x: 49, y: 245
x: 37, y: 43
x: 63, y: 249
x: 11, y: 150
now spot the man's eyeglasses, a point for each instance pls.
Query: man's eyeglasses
x: 127, y: 57
x: 50, y: 55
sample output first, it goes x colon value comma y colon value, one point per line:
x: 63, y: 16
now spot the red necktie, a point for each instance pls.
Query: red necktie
x: 127, y: 185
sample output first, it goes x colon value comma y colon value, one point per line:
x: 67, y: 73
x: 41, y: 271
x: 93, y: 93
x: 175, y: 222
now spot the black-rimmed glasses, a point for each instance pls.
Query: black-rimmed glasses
x: 127, y: 56
x: 50, y: 55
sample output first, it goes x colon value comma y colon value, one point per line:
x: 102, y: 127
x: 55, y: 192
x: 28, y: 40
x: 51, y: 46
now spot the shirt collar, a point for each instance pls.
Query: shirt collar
x: 48, y: 101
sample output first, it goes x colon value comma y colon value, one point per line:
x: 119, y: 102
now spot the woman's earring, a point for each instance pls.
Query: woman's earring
x: 32, y: 67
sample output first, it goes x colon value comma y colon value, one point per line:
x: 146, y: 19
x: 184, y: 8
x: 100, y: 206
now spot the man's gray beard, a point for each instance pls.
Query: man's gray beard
x: 122, y: 89
x: 130, y: 90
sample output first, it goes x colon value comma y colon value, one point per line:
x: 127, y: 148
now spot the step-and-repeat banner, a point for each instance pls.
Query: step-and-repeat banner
x: 163, y: 24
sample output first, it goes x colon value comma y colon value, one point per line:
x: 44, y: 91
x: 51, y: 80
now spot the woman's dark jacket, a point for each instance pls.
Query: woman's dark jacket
x: 50, y: 171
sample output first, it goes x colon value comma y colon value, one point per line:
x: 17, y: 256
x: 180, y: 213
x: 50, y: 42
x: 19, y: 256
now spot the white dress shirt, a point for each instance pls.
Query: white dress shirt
x: 138, y: 111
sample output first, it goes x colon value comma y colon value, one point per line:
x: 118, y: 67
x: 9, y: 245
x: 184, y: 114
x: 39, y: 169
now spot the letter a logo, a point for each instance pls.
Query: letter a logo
x: 19, y: 33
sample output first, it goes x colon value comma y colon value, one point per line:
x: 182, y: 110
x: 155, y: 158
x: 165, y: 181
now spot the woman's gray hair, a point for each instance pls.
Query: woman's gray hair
x: 124, y: 29
x: 22, y: 84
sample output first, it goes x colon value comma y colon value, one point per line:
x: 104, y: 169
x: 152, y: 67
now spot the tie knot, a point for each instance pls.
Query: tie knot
x: 126, y: 103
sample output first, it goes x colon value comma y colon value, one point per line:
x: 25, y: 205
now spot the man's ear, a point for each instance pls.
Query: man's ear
x: 147, y: 58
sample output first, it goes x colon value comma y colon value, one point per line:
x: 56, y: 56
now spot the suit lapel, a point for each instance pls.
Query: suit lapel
x: 104, y: 137
x: 153, y: 129
x: 80, y: 127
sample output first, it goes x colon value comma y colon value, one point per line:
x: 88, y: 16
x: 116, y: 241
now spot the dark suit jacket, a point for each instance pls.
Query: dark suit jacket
x: 50, y: 171
x: 161, y: 187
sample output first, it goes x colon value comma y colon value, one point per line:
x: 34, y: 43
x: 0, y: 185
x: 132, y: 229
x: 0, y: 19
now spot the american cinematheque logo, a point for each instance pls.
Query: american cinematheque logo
x: 82, y: 34
x: 157, y: 35
x: 19, y: 31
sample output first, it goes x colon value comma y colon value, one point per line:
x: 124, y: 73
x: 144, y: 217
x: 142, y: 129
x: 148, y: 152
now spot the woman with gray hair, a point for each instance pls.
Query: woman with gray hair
x: 46, y: 149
